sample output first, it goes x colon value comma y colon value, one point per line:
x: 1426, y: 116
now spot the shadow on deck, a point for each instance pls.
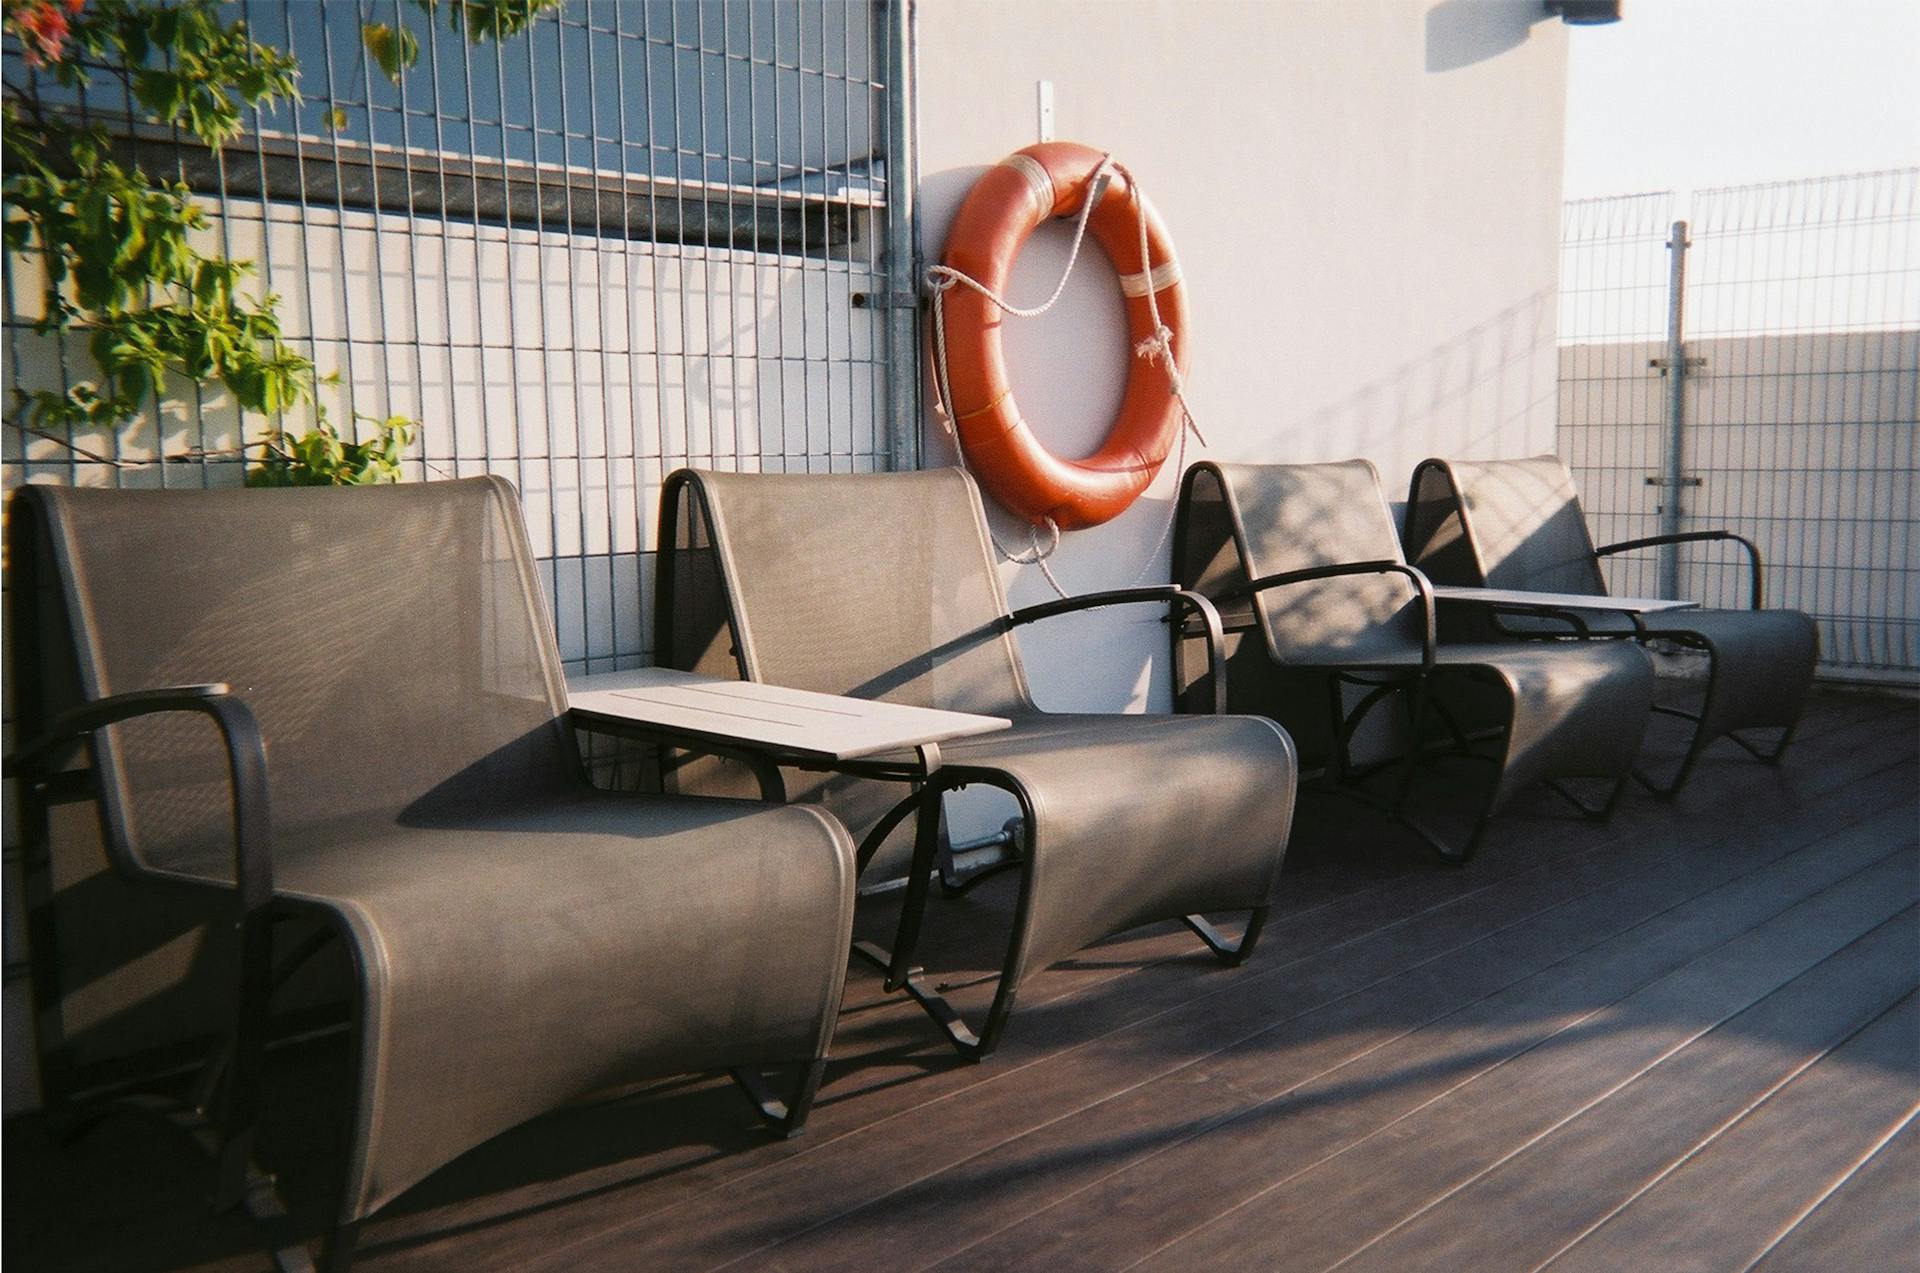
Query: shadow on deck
x: 1690, y: 1038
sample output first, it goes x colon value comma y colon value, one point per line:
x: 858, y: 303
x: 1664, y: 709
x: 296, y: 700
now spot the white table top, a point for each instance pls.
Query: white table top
x: 797, y: 722
x: 1559, y: 600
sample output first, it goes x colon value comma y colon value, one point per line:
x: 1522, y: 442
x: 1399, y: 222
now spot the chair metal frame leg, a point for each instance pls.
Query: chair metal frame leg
x: 1416, y: 694
x: 249, y: 1188
x: 1230, y: 953
x: 1593, y: 813
x: 786, y: 1115
x: 1780, y: 746
x: 955, y: 882
x: 1699, y: 744
x: 1700, y: 741
x: 1696, y: 744
x: 901, y: 972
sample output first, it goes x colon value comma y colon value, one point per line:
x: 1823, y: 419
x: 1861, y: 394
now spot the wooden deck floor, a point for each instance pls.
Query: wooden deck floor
x: 1688, y: 1039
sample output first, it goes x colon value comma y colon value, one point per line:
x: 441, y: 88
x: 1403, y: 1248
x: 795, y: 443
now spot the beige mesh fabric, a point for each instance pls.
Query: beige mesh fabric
x: 1527, y: 527
x: 384, y: 639
x: 883, y: 586
x: 520, y: 939
x: 1436, y: 538
x: 1299, y: 516
x: 875, y: 586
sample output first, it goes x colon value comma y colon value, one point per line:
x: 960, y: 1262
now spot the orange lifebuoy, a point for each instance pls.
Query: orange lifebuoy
x: 1004, y: 208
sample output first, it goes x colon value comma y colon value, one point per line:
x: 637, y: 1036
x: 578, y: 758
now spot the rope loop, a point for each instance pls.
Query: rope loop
x: 1034, y: 554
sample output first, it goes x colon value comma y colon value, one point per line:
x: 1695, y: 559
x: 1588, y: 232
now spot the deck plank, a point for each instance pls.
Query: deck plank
x: 1184, y: 1187
x: 1870, y: 1220
x: 1318, y: 1215
x: 1428, y: 1106
x: 1717, y: 1208
x: 1546, y: 1194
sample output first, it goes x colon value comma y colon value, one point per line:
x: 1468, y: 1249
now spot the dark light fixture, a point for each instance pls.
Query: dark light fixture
x: 1584, y: 13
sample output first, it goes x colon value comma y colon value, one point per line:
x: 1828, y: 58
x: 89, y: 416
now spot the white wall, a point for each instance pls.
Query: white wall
x: 1365, y: 197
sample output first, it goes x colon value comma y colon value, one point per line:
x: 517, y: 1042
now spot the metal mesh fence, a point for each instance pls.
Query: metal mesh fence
x: 1799, y: 332
x: 1613, y: 322
x: 636, y: 236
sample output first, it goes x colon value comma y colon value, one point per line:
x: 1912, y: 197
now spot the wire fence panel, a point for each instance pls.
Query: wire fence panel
x: 634, y: 237
x: 1798, y: 409
x: 1804, y: 305
x: 1613, y: 323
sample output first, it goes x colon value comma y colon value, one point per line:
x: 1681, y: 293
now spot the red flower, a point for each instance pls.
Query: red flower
x: 42, y: 29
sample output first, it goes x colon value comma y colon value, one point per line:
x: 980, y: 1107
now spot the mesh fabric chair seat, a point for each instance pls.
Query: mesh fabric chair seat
x: 520, y: 939
x: 1304, y: 561
x: 883, y: 586
x: 1518, y: 524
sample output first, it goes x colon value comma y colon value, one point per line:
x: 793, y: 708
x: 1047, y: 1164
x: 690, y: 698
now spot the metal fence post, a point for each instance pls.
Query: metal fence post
x: 901, y: 281
x: 1675, y: 369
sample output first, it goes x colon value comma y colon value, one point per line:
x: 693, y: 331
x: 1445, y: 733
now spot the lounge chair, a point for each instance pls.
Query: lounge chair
x: 1518, y: 524
x: 1304, y: 559
x: 883, y: 586
x: 345, y: 709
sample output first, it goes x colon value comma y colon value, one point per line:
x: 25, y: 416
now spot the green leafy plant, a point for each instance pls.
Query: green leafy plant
x: 320, y: 457
x: 117, y: 247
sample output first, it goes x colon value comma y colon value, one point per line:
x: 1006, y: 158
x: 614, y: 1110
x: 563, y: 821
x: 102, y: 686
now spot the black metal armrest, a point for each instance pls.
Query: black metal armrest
x: 1177, y: 599
x: 1092, y: 600
x: 1517, y: 610
x: 1754, y: 594
x: 252, y: 872
x: 1430, y: 632
x: 246, y: 765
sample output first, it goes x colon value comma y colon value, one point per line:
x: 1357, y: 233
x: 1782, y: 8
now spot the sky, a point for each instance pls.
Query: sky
x: 1690, y: 94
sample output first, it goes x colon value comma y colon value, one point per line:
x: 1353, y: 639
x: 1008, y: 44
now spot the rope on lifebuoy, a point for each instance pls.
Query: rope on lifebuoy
x: 942, y: 279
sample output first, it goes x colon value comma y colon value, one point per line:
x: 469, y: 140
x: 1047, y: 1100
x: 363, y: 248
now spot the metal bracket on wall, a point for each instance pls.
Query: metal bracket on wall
x: 885, y: 300
x: 1688, y: 364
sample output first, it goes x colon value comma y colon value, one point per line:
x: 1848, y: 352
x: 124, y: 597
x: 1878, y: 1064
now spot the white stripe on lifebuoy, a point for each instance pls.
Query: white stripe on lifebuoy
x: 1037, y: 178
x: 1159, y: 279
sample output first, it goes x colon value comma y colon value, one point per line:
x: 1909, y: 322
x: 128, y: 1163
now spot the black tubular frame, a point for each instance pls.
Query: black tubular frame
x: 224, y: 1115
x: 1415, y: 686
x: 1699, y: 742
x: 1755, y: 593
x: 931, y: 779
x: 1177, y: 599
x: 934, y: 780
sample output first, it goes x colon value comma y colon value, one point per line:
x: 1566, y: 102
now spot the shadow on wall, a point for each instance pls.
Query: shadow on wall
x: 1463, y: 32
x: 1474, y: 394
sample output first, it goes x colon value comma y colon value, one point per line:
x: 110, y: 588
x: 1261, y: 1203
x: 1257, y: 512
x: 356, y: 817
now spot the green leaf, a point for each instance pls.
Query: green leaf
x: 393, y: 48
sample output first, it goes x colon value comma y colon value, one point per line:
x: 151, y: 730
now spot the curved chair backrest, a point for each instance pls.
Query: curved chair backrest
x: 1522, y: 526
x: 870, y: 585
x: 1242, y: 521
x: 390, y: 640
